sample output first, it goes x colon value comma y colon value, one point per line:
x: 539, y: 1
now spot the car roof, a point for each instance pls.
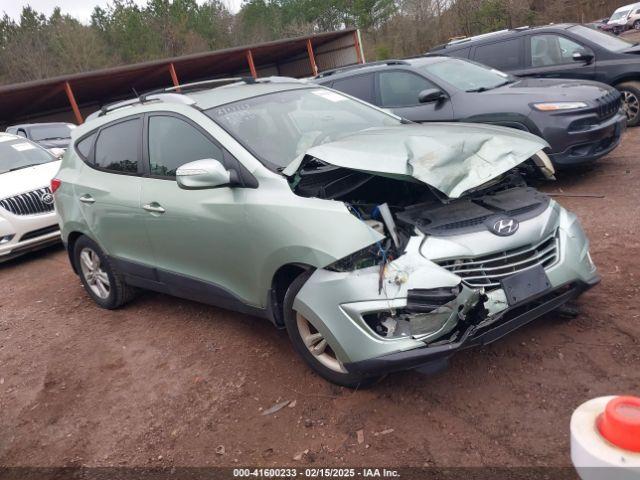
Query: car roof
x: 345, y: 72
x: 626, y: 7
x: 499, y: 35
x: 38, y: 124
x: 214, y: 97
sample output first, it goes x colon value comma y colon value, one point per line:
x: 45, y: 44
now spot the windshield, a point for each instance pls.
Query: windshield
x: 279, y: 127
x: 17, y: 153
x: 50, y: 132
x: 603, y: 39
x: 465, y: 75
x: 619, y: 15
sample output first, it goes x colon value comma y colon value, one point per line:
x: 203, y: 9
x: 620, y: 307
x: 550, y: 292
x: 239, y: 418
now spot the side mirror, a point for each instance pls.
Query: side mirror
x: 431, y: 95
x: 207, y: 173
x: 582, y: 56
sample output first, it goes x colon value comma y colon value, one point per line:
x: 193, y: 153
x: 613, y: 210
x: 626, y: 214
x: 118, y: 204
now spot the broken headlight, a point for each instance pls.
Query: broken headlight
x: 367, y: 257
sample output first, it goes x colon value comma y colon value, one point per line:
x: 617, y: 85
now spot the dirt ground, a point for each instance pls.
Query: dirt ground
x: 167, y: 382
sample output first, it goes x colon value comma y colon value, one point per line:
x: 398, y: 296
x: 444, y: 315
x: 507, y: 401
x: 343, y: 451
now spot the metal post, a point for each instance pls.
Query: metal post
x: 312, y: 58
x: 174, y: 75
x: 358, y: 47
x: 252, y: 67
x: 74, y: 104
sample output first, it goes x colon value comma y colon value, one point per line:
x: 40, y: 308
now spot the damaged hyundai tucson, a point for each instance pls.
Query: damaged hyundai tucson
x: 378, y: 244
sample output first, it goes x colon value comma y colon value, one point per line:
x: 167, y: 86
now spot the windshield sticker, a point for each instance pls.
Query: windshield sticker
x: 21, y: 147
x: 332, y: 96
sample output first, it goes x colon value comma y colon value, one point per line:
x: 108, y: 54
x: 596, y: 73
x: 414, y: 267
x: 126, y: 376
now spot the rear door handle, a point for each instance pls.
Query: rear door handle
x: 153, y: 207
x: 87, y: 199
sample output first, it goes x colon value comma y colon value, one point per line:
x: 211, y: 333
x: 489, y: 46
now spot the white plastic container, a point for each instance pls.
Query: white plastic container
x: 605, y: 439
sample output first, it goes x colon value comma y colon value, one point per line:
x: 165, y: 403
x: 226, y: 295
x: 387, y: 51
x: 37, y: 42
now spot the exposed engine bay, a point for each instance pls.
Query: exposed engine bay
x: 414, y: 205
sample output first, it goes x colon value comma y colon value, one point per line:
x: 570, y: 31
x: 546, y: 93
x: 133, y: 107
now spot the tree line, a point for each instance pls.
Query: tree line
x: 37, y: 46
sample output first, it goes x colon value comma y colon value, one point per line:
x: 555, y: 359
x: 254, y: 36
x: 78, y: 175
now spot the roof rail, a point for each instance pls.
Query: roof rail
x: 457, y: 41
x: 356, y: 66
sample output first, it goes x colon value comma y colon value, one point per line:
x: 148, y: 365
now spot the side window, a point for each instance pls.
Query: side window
x: 549, y: 50
x: 174, y: 142
x: 360, y: 87
x: 118, y: 147
x: 501, y: 55
x: 401, y: 89
x: 462, y: 53
x: 84, y: 145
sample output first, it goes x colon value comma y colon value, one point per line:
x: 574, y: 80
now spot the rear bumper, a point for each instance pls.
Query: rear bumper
x: 508, y: 321
x: 579, y: 147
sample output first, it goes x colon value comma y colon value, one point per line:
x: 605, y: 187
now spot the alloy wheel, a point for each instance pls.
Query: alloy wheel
x: 317, y: 345
x: 631, y: 105
x: 96, y: 278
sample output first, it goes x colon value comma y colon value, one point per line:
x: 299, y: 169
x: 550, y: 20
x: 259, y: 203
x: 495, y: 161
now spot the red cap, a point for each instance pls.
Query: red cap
x: 620, y: 423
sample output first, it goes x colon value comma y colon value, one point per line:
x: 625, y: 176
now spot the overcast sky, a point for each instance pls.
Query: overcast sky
x: 80, y: 9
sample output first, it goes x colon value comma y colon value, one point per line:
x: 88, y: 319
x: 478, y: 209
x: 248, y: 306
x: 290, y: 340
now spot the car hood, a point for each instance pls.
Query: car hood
x: 27, y: 179
x: 551, y: 90
x: 453, y: 158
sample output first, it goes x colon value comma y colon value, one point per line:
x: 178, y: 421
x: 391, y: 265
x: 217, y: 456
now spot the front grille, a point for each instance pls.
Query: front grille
x: 29, y: 203
x: 609, y: 104
x: 487, y: 270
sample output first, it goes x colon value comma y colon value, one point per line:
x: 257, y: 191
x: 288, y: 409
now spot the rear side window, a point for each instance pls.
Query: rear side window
x: 84, y: 145
x: 174, y: 142
x: 118, y: 147
x: 402, y: 89
x: 501, y: 55
x: 360, y: 87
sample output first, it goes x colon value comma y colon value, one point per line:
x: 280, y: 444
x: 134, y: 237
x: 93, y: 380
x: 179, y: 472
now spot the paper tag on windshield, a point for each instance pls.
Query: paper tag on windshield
x: 21, y: 147
x: 332, y: 96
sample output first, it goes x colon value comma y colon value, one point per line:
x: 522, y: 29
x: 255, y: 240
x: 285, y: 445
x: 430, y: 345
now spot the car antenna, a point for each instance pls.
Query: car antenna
x: 135, y: 93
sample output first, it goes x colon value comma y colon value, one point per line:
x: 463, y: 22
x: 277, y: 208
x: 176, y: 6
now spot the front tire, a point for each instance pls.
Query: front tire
x: 311, y: 345
x: 101, y: 281
x: 636, y: 25
x: 631, y: 101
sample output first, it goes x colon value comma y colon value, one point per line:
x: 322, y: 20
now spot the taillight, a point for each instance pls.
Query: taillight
x: 55, y: 184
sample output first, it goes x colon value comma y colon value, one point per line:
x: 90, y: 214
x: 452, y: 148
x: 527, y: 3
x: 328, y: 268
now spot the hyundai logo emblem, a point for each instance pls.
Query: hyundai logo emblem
x: 505, y: 227
x: 47, y: 198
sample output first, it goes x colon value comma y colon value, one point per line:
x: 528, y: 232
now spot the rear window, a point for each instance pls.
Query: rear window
x: 505, y: 55
x: 118, y: 147
x: 17, y: 153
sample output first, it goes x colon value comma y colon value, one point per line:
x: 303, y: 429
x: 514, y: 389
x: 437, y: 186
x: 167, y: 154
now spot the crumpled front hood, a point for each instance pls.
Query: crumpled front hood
x: 451, y: 157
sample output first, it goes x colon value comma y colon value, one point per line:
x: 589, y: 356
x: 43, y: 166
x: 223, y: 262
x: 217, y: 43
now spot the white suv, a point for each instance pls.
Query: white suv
x: 27, y: 217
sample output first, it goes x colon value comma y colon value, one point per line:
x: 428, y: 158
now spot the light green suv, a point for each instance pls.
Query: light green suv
x: 378, y: 244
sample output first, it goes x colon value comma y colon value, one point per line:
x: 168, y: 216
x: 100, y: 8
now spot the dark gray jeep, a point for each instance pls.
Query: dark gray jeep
x: 580, y: 119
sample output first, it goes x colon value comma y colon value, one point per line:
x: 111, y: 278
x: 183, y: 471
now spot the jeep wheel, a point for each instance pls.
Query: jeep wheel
x: 311, y: 345
x: 103, y: 284
x: 636, y: 24
x: 631, y: 101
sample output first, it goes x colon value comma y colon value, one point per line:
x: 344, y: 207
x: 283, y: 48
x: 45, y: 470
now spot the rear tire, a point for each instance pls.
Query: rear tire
x: 101, y: 281
x: 636, y: 25
x: 324, y: 361
x: 631, y: 101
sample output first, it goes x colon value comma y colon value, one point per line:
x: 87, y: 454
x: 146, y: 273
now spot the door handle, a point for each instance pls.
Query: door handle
x: 153, y: 207
x: 87, y: 199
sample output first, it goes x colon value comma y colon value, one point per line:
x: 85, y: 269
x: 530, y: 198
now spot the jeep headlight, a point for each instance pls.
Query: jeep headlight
x: 557, y: 106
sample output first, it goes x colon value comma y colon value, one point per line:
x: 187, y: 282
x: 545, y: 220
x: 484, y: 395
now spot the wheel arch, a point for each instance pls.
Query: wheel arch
x: 630, y: 77
x: 283, y: 277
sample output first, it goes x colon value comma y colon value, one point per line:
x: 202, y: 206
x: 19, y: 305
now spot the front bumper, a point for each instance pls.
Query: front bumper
x: 23, y: 233
x: 337, y: 303
x: 572, y: 146
x: 507, y: 321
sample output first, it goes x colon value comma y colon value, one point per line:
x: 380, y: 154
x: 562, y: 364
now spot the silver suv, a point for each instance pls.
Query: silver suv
x: 379, y: 245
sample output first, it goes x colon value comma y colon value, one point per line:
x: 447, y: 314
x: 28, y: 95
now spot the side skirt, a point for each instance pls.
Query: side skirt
x: 182, y: 286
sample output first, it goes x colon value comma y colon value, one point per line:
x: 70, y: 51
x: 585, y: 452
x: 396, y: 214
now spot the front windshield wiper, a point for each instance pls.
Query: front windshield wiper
x: 23, y: 166
x: 484, y: 89
x: 53, y: 138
